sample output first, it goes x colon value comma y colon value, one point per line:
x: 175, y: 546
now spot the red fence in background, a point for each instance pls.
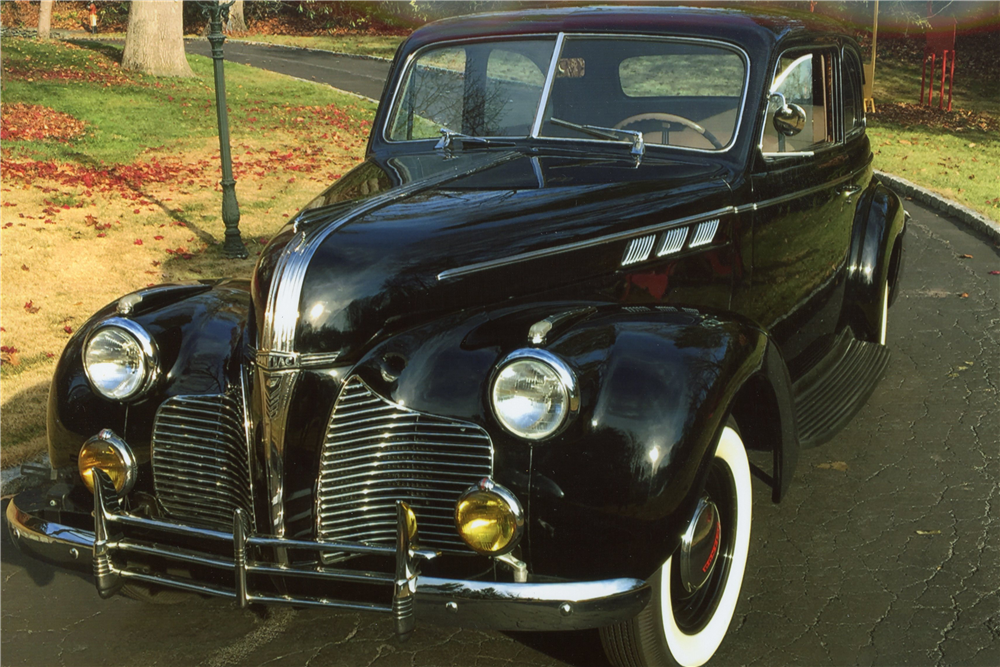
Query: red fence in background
x: 940, y: 43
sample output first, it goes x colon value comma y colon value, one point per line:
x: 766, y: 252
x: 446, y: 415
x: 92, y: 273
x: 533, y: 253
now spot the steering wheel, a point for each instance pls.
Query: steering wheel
x: 671, y: 118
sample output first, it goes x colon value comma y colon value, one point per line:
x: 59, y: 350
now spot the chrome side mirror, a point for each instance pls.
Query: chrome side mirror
x: 789, y: 119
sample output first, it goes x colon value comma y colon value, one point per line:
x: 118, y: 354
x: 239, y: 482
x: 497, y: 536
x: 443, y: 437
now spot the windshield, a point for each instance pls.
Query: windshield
x: 674, y: 92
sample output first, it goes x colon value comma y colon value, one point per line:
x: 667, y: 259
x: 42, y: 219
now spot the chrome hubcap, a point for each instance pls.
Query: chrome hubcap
x: 700, y: 546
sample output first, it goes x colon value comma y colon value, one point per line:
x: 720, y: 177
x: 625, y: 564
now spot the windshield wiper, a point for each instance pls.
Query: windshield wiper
x: 448, y: 135
x: 610, y: 133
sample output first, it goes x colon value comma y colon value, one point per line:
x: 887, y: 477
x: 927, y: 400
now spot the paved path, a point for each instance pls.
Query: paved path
x: 363, y: 76
x: 884, y: 553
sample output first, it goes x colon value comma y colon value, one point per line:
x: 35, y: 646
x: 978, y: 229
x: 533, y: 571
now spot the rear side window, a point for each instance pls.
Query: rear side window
x: 854, y: 111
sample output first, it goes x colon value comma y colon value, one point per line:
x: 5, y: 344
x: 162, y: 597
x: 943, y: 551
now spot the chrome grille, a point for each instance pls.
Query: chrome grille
x: 200, y: 462
x: 377, y: 452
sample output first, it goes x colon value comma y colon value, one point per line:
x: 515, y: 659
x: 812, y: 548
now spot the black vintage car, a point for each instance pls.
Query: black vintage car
x: 505, y: 373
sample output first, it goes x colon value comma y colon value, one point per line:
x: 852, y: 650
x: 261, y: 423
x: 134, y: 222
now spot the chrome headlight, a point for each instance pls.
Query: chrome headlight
x: 534, y: 393
x: 120, y: 359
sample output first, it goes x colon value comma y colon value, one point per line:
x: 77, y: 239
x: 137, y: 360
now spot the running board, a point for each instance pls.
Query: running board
x: 829, y: 395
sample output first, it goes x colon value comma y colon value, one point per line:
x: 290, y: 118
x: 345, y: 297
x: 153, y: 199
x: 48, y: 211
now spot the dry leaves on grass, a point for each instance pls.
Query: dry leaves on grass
x: 33, y: 122
x: 957, y: 120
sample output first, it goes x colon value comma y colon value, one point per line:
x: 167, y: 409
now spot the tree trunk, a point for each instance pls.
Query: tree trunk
x: 44, y: 18
x: 236, y: 23
x: 154, y: 42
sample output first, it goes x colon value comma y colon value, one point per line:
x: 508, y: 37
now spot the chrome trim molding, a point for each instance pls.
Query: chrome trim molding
x: 573, y: 605
x: 580, y: 245
x: 704, y: 233
x: 639, y: 249
x: 673, y: 241
x: 791, y: 196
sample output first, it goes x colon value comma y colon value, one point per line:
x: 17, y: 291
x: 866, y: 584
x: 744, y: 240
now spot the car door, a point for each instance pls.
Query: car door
x: 805, y: 187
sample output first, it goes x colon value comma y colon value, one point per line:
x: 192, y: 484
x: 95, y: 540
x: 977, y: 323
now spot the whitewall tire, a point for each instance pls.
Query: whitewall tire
x: 689, y: 615
x: 884, y: 321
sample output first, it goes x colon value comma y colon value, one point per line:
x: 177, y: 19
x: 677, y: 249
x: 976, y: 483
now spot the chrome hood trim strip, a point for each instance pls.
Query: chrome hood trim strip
x: 282, y: 313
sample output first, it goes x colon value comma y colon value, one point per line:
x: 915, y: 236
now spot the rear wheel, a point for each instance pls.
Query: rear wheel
x: 696, y: 590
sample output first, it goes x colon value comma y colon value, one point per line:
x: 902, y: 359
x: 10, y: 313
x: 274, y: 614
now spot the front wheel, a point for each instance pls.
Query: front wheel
x: 696, y: 590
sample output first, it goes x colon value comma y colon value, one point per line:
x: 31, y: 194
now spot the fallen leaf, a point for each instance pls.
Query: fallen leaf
x: 995, y: 273
x: 24, y: 267
x: 31, y: 307
x: 965, y: 256
x: 834, y: 465
x: 928, y: 532
x: 68, y: 329
x: 964, y: 295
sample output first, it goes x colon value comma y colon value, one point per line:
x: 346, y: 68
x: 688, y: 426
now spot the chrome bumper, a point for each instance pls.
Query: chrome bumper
x: 466, y: 603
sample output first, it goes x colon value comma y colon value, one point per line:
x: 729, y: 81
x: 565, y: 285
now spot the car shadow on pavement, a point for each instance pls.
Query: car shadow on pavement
x: 579, y: 648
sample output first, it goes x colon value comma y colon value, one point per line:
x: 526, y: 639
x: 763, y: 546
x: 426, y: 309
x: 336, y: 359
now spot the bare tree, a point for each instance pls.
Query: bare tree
x: 44, y: 18
x: 236, y: 23
x: 154, y: 42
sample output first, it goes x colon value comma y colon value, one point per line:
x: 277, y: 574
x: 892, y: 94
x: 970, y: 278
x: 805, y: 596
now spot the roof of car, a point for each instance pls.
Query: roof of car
x: 758, y: 25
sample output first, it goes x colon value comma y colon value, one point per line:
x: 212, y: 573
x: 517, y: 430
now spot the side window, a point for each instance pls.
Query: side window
x: 805, y: 78
x: 854, y: 111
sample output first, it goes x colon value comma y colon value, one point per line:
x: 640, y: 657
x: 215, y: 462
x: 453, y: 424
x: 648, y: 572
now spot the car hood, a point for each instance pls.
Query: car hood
x: 400, y: 240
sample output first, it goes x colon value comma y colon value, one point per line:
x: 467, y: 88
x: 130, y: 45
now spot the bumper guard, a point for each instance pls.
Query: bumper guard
x: 465, y: 603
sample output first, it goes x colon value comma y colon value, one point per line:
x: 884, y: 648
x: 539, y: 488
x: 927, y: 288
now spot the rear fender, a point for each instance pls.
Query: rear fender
x: 657, y: 386
x: 876, y: 257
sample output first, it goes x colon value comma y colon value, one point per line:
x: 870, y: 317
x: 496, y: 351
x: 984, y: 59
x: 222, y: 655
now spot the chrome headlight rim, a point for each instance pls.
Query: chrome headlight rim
x: 488, y: 487
x: 566, y: 376
x: 150, y: 357
x: 124, y: 452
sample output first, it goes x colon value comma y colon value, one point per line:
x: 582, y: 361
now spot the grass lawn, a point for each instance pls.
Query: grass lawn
x: 110, y: 183
x: 956, y: 154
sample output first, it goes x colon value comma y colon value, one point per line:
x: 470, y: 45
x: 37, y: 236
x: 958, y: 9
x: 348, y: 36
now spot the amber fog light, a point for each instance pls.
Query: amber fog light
x: 489, y: 518
x: 109, y: 453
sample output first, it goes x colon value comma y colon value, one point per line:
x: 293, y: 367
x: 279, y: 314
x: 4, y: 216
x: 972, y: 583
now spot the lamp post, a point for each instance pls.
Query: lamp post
x: 233, y: 247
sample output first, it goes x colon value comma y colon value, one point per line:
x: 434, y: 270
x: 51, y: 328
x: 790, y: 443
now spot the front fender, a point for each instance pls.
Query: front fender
x: 199, y: 330
x: 657, y: 386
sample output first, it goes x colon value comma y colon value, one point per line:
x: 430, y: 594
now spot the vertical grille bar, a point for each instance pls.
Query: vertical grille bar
x: 377, y: 452
x: 201, y: 470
